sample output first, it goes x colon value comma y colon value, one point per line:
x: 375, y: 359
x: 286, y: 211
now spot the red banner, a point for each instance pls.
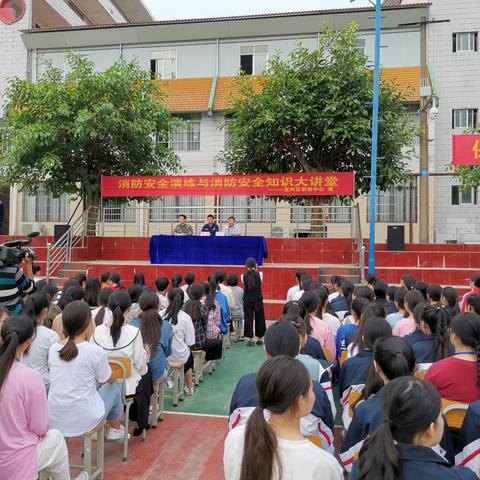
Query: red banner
x: 465, y: 149
x: 281, y: 184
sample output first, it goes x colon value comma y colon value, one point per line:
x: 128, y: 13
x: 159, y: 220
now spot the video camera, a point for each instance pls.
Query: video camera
x: 13, y: 252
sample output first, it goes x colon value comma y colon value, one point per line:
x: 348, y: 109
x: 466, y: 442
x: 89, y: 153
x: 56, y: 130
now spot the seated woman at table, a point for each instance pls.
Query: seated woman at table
x: 183, y: 228
x: 232, y: 229
x: 211, y: 226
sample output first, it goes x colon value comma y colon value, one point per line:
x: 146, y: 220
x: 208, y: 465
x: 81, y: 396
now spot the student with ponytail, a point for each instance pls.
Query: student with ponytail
x: 27, y: 446
x: 450, y: 301
x: 36, y: 356
x: 473, y: 304
x: 183, y: 334
x: 72, y: 294
x: 76, y: 366
x: 103, y: 314
x: 273, y: 448
x: 458, y: 377
x: 401, y: 447
x: 435, y: 343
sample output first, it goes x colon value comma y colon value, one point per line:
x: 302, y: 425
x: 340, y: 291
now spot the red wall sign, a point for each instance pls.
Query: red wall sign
x: 11, y: 11
x: 281, y: 184
x: 466, y: 149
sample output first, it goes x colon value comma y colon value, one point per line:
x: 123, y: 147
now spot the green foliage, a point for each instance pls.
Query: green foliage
x: 69, y: 133
x: 314, y: 114
x: 469, y: 174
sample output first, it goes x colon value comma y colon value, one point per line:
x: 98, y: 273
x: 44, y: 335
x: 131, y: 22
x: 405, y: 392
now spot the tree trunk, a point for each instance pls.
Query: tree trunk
x: 92, y: 202
x: 319, y: 217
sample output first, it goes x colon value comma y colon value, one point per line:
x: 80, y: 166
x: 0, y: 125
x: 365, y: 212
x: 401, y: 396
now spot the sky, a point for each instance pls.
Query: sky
x: 167, y: 9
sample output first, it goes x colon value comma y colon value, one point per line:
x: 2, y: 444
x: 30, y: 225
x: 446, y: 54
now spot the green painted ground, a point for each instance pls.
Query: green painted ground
x: 213, y: 395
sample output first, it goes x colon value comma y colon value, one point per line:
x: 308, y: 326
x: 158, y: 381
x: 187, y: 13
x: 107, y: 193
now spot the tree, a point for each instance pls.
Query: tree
x: 314, y: 114
x: 67, y: 134
x: 469, y: 174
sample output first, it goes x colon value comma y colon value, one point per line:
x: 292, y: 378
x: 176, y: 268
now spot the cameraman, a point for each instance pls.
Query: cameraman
x: 13, y: 283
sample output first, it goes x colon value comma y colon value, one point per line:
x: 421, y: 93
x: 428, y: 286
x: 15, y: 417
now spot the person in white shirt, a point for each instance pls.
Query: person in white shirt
x: 305, y: 284
x: 36, y: 356
x: 183, y: 334
x: 296, y: 288
x: 119, y: 339
x: 75, y: 405
x: 322, y: 312
x: 286, y: 395
x: 232, y: 229
x: 220, y: 277
x: 161, y: 284
x: 103, y: 314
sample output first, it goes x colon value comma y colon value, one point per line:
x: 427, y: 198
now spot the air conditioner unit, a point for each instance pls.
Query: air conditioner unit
x: 280, y: 232
x: 33, y: 227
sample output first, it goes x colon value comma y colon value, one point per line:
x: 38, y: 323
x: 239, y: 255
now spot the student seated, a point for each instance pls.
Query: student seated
x: 76, y: 367
x: 354, y: 370
x: 213, y: 309
x: 458, y: 377
x: 222, y: 300
x: 282, y: 339
x: 322, y: 312
x: 435, y: 344
x: 317, y: 328
x: 469, y: 453
x: 449, y: 301
x: 27, y: 446
x: 434, y: 295
x: 237, y: 309
x: 134, y: 291
x: 189, y: 281
x: 402, y: 446
x: 73, y: 293
x: 103, y: 314
x: 156, y: 334
x: 417, y: 335
x: 296, y: 288
x: 473, y: 304
x: 119, y: 339
x: 161, y: 284
x: 183, y: 335
x: 407, y: 281
x: 399, y: 301
x: 271, y: 444
x: 340, y: 305
x: 407, y: 325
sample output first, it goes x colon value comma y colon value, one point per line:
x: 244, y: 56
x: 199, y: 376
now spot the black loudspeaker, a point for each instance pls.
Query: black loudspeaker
x: 396, y: 238
x: 59, y: 230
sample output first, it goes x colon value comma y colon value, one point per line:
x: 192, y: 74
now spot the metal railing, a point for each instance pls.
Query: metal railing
x: 144, y: 220
x: 61, y: 251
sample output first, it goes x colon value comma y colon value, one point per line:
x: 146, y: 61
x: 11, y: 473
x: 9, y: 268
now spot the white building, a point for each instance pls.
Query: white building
x: 198, y: 58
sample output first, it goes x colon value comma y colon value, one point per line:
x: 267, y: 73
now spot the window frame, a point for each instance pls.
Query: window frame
x: 43, y: 207
x: 471, y: 40
x: 154, y: 75
x: 457, y: 196
x: 254, y: 46
x: 469, y: 122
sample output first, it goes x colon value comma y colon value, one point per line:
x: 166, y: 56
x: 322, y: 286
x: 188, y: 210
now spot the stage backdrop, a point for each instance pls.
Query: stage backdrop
x: 466, y: 149
x: 275, y: 185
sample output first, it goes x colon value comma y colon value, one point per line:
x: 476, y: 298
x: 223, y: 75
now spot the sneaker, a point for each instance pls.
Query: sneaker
x: 189, y: 391
x: 168, y: 383
x: 82, y: 476
x: 259, y: 341
x: 250, y: 343
x: 116, y: 434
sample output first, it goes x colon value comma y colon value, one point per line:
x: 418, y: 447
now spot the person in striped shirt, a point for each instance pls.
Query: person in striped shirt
x: 14, y: 282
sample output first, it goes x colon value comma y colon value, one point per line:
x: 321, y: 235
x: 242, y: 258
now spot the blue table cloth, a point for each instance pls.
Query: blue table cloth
x: 192, y: 250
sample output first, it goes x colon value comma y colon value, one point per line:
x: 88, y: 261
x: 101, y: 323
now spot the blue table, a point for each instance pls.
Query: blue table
x: 192, y: 250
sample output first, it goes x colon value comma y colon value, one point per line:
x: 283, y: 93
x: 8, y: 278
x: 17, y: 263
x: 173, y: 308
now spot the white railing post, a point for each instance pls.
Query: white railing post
x: 47, y: 268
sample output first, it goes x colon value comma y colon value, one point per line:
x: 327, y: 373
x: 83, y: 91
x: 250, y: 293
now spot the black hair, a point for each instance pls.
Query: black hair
x: 280, y: 382
x: 418, y: 311
x: 134, y: 292
x: 150, y: 321
x: 358, y: 306
x: 15, y: 330
x: 346, y: 291
x: 115, y: 278
x: 71, y: 294
x: 369, y: 330
x: 294, y: 307
x: 299, y: 274
x: 380, y: 289
x: 434, y: 293
x: 297, y: 321
x: 306, y: 282
x: 34, y: 304
x: 282, y: 339
x: 189, y: 278
x: 365, y: 292
x: 391, y: 290
x: 36, y: 269
x: 408, y: 281
x: 175, y: 303
x: 233, y: 218
x: 220, y: 275
x: 209, y: 297
x: 251, y: 279
x: 40, y: 284
x: 104, y: 276
x: 474, y: 302
x: 80, y: 278
x: 176, y: 280
x: 76, y: 318
x: 51, y: 291
x: 193, y: 307
x: 373, y: 309
x: 69, y: 283
x: 139, y: 279
x: 437, y: 320
x: 311, y: 302
x: 322, y: 295
x: 422, y: 288
x: 92, y: 289
x: 412, y: 299
x: 370, y: 278
x: 409, y: 407
x: 399, y: 297
x: 466, y: 326
x: 210, y: 216
x: 103, y: 299
x: 475, y: 279
x: 182, y: 215
x: 338, y: 281
x: 232, y: 280
x: 451, y: 296
x: 161, y: 283
x: 119, y: 302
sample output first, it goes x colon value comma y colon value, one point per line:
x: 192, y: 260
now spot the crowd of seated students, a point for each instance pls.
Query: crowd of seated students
x: 386, y: 340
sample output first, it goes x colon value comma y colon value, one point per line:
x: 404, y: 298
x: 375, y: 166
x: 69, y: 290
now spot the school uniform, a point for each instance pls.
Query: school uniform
x: 313, y: 349
x: 355, y: 370
x: 338, y: 307
x: 350, y: 337
x: 469, y: 439
x: 344, y: 333
x: 253, y: 307
x: 388, y: 306
x: 418, y: 462
x: 414, y: 337
x: 424, y: 349
x: 225, y: 311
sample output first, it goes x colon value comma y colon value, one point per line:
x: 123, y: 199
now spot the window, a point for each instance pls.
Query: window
x: 163, y: 64
x: 253, y: 59
x: 464, y: 117
x: 394, y: 205
x: 115, y: 211
x: 247, y: 209
x: 167, y: 209
x: 44, y: 207
x: 465, y: 42
x: 464, y: 197
x: 186, y: 138
x: 335, y: 212
x: 361, y: 46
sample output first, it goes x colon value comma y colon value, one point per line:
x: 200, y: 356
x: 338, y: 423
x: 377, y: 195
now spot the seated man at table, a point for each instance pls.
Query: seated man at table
x: 211, y: 226
x: 183, y: 228
x: 232, y: 230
